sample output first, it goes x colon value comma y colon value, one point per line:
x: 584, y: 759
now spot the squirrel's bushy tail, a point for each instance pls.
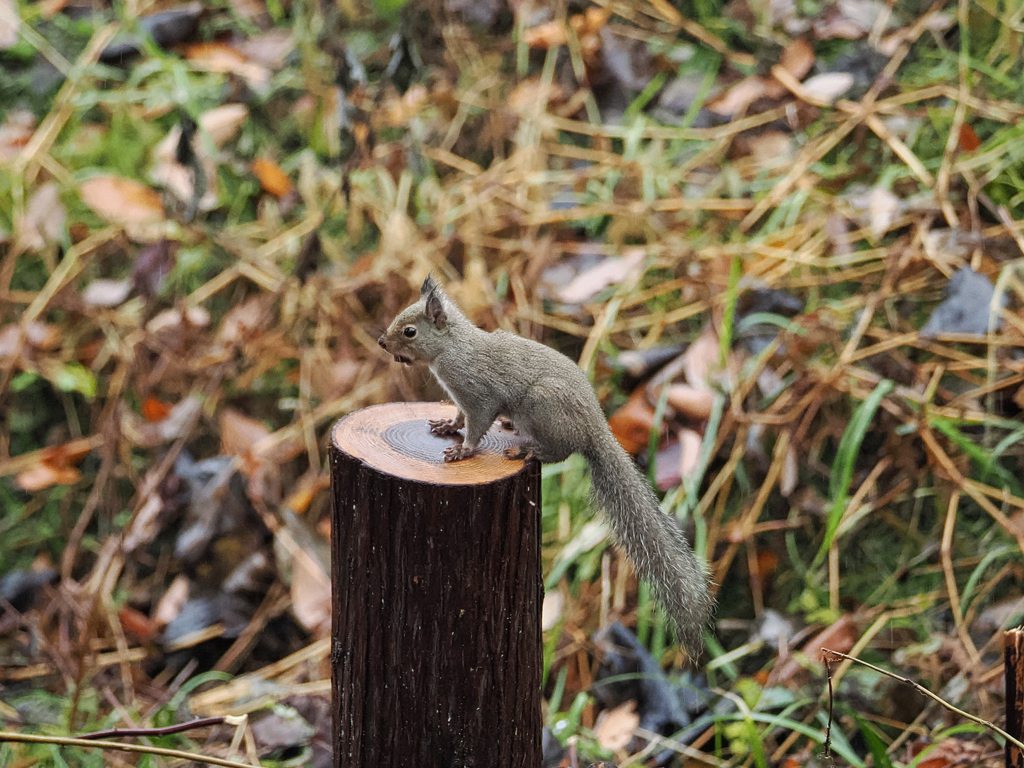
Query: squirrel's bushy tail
x: 653, y: 541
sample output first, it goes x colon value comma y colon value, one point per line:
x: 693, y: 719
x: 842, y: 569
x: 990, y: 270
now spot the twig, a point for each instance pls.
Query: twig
x: 921, y: 689
x: 67, y: 741
x: 119, y: 732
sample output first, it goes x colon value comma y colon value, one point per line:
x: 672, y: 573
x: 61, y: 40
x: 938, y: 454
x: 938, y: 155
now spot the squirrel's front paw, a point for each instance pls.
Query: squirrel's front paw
x: 457, y: 453
x: 444, y: 427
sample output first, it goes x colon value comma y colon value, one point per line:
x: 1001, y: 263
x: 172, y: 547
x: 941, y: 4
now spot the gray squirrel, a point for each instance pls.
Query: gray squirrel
x: 549, y: 400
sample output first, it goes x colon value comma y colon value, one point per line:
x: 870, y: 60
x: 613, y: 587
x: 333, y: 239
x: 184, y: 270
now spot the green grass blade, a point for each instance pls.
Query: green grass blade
x: 846, y: 456
x: 875, y: 744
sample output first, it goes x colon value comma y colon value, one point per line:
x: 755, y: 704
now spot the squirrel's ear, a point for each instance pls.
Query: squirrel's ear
x: 428, y: 285
x: 433, y: 309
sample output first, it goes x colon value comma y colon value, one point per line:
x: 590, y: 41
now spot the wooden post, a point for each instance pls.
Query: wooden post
x: 1013, y: 656
x: 437, y: 591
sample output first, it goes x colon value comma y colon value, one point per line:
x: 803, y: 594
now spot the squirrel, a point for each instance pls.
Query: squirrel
x: 549, y: 400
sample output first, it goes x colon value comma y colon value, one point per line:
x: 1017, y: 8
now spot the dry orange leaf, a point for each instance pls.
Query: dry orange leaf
x: 155, y: 410
x: 44, y: 475
x: 271, y: 177
x: 632, y: 423
x: 57, y: 467
x: 309, y: 485
x: 137, y: 624
x: 122, y: 201
x: 969, y: 140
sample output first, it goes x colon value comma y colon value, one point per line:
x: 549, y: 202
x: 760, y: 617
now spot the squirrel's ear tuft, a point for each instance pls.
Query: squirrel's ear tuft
x: 428, y: 285
x: 434, y: 311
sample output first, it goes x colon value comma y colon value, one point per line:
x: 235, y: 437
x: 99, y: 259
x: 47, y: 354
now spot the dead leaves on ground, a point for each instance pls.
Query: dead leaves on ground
x: 201, y: 310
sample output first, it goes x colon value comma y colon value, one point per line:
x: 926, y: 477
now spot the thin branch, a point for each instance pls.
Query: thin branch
x: 121, y: 732
x: 921, y: 689
x: 67, y: 741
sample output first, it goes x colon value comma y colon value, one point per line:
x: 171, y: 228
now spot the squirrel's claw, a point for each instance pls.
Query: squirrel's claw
x: 457, y: 453
x: 443, y: 427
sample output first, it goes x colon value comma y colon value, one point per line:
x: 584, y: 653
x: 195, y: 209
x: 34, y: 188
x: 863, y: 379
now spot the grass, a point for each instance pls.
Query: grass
x: 853, y: 477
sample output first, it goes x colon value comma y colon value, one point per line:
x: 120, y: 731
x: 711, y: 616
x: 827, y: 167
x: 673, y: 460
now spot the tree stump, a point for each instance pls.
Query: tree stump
x: 437, y: 591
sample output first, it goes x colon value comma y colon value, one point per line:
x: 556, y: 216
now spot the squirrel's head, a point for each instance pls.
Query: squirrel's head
x: 420, y: 332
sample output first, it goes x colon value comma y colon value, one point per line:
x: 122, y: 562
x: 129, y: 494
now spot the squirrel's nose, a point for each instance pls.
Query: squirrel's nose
x: 381, y: 341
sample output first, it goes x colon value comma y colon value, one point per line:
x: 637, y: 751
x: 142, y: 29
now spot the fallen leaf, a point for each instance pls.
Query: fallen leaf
x: 155, y: 410
x: 693, y: 402
x: 122, y: 201
x: 551, y: 610
x: 879, y: 208
x: 45, y: 475
x: 15, y: 133
x: 145, y: 433
x: 57, y: 466
x: 311, y: 595
x: 307, y: 488
x: 739, y: 96
x: 611, y: 271
x: 798, y: 58
x: 632, y: 423
x: 969, y: 140
x: 771, y: 149
x: 223, y: 122
x: 172, y: 601
x: 44, y: 218
x: 531, y: 92
x: 10, y: 23
x: 243, y: 320
x: 240, y: 434
x: 137, y: 624
x: 839, y: 636
x: 173, y: 320
x: 180, y: 179
x: 790, y: 473
x: 615, y: 727
x: 223, y: 58
x: 271, y: 177
x: 689, y: 455
x: 270, y: 48
x: 38, y: 335
x: 106, y: 293
x: 827, y: 87
x: 701, y: 361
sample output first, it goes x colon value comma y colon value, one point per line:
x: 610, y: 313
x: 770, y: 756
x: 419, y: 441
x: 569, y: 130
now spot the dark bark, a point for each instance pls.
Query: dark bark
x: 1013, y: 655
x: 437, y: 593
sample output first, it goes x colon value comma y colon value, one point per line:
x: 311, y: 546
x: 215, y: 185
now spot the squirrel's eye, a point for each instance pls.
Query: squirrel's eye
x: 409, y: 331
